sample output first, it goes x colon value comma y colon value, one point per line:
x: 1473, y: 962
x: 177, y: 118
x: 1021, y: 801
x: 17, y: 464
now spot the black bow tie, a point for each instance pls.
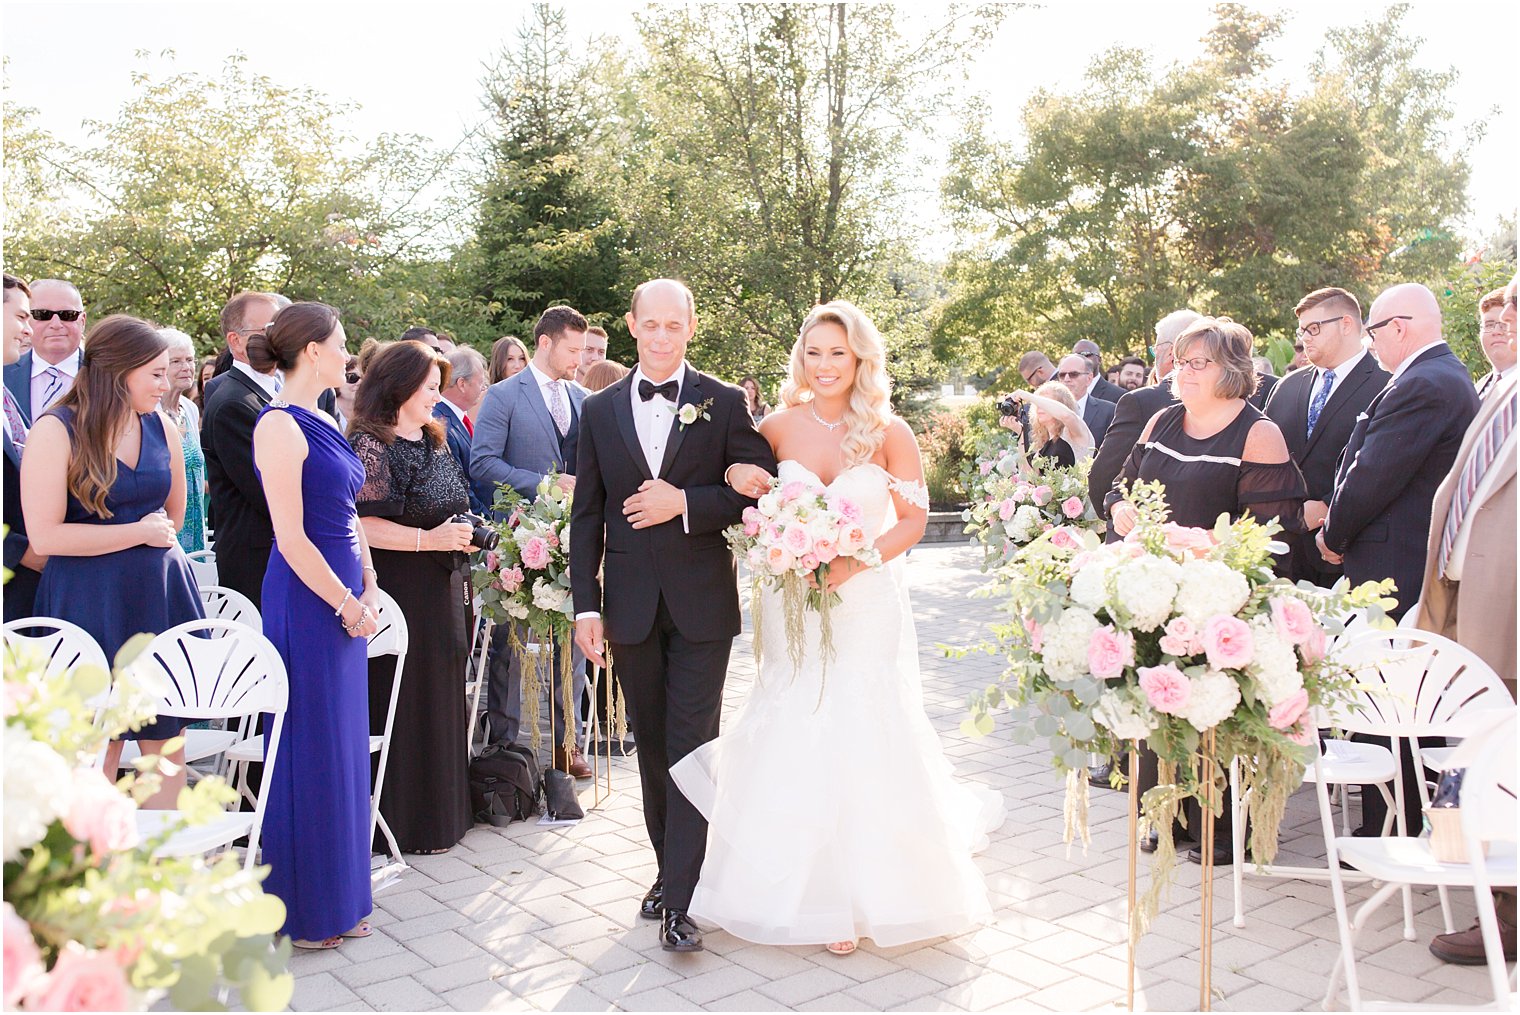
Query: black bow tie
x: 667, y: 391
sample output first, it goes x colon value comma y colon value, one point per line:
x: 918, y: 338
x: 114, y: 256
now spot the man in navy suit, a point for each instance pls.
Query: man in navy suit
x: 467, y: 386
x: 1316, y: 408
x: 24, y: 564
x: 529, y: 425
x: 40, y: 376
x: 1077, y: 374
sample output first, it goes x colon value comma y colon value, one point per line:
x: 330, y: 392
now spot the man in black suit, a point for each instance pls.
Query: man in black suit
x: 1101, y: 386
x: 467, y: 385
x: 1077, y: 375
x: 1266, y: 381
x: 327, y: 401
x: 651, y: 502
x: 1400, y: 448
x: 1316, y: 408
x: 1497, y: 340
x: 24, y: 564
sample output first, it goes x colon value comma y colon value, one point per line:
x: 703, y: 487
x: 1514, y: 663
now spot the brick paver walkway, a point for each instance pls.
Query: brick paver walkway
x: 526, y: 918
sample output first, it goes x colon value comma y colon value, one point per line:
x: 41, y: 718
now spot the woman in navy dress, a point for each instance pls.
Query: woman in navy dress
x: 103, y: 490
x: 319, y: 605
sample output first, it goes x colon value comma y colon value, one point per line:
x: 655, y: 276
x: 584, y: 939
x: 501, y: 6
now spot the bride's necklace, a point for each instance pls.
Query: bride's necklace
x: 830, y: 427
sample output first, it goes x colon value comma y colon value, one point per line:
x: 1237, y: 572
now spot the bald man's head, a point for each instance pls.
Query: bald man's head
x: 1402, y: 320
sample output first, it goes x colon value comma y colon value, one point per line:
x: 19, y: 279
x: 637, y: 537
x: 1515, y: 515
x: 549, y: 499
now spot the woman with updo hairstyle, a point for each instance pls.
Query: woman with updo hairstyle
x: 509, y: 357
x: 103, y: 493
x: 319, y: 605
x: 413, y: 490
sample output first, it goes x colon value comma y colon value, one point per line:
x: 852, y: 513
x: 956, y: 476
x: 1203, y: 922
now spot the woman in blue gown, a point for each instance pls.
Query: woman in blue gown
x: 103, y: 490
x: 319, y: 605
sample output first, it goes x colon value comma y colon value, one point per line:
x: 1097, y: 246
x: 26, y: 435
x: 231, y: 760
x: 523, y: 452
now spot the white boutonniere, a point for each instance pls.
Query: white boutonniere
x: 691, y: 412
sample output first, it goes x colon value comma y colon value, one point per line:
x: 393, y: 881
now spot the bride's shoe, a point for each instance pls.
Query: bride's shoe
x: 842, y: 947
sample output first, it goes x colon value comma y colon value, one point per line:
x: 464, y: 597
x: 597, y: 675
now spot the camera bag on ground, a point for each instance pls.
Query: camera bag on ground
x: 504, y: 785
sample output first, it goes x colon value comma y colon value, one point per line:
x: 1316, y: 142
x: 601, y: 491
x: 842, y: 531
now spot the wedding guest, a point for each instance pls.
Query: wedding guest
x: 1056, y: 432
x: 594, y: 352
x: 427, y: 336
x: 1101, y: 388
x: 1076, y: 373
x: 467, y: 386
x: 203, y: 377
x: 178, y: 406
x: 103, y: 490
x: 1131, y: 373
x: 508, y: 357
x: 446, y: 343
x: 352, y: 375
x: 44, y: 373
x: 23, y: 562
x: 1162, y: 352
x: 1266, y: 380
x: 758, y: 410
x: 1300, y: 356
x: 1111, y: 375
x: 412, y: 490
x: 604, y: 374
x: 319, y: 606
x: 1497, y: 344
x: 1036, y: 369
x: 367, y: 350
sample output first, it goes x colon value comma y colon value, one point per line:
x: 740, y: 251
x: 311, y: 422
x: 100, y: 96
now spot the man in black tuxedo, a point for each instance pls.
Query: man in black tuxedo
x: 1077, y: 375
x: 1400, y: 448
x: 25, y: 565
x: 1101, y: 386
x: 237, y: 347
x: 651, y: 503
x: 1316, y: 408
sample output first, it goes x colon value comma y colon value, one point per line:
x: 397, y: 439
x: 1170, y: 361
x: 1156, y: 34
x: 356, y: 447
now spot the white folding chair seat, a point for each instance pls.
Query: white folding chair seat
x: 1401, y: 858
x: 203, y: 566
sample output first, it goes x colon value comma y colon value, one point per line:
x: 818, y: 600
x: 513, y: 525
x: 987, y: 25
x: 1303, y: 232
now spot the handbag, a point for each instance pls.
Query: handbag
x: 504, y: 785
x: 560, y: 800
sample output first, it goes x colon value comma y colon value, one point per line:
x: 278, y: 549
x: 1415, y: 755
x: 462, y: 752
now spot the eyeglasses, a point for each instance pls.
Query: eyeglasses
x: 1385, y: 322
x: 1070, y: 375
x: 351, y: 377
x: 67, y: 316
x: 1311, y: 328
x: 1494, y: 327
x: 1197, y: 364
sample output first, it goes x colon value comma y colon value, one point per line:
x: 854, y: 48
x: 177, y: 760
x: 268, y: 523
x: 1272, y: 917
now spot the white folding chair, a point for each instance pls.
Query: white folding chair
x: 217, y: 669
x: 203, y: 566
x: 60, y: 644
x: 222, y: 603
x: 477, y: 676
x: 1489, y: 815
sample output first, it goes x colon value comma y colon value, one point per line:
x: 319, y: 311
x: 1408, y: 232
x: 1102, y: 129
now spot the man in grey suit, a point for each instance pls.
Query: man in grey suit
x: 529, y: 425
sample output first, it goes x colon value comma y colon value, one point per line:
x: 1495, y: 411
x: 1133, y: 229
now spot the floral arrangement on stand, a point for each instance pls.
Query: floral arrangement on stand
x: 1181, y: 637
x: 93, y: 920
x: 789, y: 540
x: 525, y: 584
x: 1009, y: 510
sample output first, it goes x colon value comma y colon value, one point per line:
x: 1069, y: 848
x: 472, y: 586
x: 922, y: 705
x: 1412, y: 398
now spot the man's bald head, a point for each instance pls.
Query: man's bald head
x: 666, y: 288
x: 1402, y: 320
x: 1076, y: 373
x: 1088, y: 350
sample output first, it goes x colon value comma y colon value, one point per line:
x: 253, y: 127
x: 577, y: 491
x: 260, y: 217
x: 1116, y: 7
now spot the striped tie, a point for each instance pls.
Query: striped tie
x: 54, y: 389
x: 1483, y: 454
x: 16, y: 420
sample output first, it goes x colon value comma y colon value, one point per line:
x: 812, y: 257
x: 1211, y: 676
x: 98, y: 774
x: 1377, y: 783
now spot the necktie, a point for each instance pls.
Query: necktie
x: 1483, y: 454
x: 667, y: 391
x: 53, y: 390
x: 469, y: 427
x: 17, y: 423
x: 1320, y: 398
x: 558, y: 409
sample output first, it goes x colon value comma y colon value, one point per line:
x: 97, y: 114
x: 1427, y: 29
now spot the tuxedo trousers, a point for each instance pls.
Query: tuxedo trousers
x: 674, y: 689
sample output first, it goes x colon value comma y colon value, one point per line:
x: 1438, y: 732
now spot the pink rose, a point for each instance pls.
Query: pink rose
x: 1109, y: 652
x: 1063, y: 539
x: 851, y: 540
x: 1228, y: 642
x: 1286, y: 713
x: 808, y: 562
x: 778, y: 560
x: 511, y: 579
x: 851, y: 511
x: 1020, y: 493
x: 1046, y: 527
x: 1007, y: 508
x: 1184, y: 539
x: 1071, y: 507
x: 1166, y: 688
x: 752, y: 514
x: 984, y: 468
x: 100, y: 814
x: 1036, y: 634
x: 793, y: 490
x: 796, y: 540
x: 493, y: 560
x: 1292, y: 618
x: 1313, y: 648
x: 825, y: 550
x: 752, y: 529
x: 553, y: 541
x: 1181, y: 638
x: 80, y: 981
x: 1301, y: 735
x: 1041, y: 495
x: 535, y: 555
x: 23, y: 962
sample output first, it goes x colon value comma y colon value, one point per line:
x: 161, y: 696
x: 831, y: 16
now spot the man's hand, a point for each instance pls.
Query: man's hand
x: 31, y: 559
x: 1325, y: 551
x: 1315, y: 512
x: 656, y: 503
x: 588, y: 638
x: 749, y: 480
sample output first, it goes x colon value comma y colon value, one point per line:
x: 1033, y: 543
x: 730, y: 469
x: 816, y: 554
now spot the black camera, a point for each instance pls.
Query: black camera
x: 482, y: 536
x: 1009, y: 406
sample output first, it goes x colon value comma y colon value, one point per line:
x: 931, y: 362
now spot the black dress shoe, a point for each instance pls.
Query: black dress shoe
x: 678, y: 933
x: 1097, y: 775
x: 1223, y: 857
x: 654, y: 901
x: 1150, y: 842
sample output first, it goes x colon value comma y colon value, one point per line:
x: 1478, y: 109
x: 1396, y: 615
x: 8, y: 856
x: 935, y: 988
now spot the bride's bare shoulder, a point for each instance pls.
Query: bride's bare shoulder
x: 780, y: 422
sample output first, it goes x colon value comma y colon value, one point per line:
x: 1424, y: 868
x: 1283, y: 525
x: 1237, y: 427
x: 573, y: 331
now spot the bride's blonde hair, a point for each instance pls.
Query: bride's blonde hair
x: 870, y: 409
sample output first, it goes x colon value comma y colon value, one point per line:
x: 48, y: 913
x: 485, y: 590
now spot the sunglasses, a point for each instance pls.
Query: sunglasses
x: 1070, y: 375
x: 351, y: 377
x: 68, y: 316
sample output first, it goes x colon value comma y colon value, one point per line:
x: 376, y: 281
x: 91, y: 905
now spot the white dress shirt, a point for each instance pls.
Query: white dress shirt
x: 458, y: 412
x: 68, y: 366
x: 270, y: 383
x: 1341, y: 373
x: 543, y: 381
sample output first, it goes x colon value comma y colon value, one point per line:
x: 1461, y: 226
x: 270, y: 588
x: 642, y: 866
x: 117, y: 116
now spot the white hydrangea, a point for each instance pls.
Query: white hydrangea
x: 1211, y: 701
x: 38, y: 787
x: 1025, y: 524
x: 1127, y: 718
x: 1276, y: 667
x: 1065, y: 647
x: 1089, y: 586
x: 547, y: 596
x: 1207, y: 588
x: 1146, y: 589
x: 516, y: 610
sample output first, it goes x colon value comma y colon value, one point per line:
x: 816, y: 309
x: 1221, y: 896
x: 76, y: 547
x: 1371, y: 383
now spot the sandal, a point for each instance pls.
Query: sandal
x: 361, y: 929
x: 326, y: 944
x: 842, y: 947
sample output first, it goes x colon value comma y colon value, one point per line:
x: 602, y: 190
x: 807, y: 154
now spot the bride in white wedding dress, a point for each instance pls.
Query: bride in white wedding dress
x: 833, y: 814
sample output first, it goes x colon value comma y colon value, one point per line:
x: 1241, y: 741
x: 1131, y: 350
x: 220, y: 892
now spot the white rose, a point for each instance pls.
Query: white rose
x: 1127, y: 718
x: 687, y: 415
x: 1145, y: 589
x: 1212, y: 700
x: 1207, y: 588
x: 769, y: 504
x: 38, y: 788
x: 1065, y: 647
x: 1276, y: 664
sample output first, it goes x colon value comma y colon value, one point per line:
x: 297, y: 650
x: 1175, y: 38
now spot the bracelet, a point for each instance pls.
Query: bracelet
x: 419, y: 539
x: 347, y: 595
x: 358, y: 621
x: 370, y: 570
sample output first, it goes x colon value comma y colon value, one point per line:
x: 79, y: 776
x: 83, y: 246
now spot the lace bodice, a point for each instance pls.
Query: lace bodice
x: 868, y: 486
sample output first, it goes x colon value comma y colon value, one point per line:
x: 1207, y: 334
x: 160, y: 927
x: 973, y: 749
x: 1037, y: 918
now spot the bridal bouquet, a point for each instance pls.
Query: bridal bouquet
x: 1009, y: 510
x: 93, y: 920
x: 794, y: 533
x: 1181, y: 637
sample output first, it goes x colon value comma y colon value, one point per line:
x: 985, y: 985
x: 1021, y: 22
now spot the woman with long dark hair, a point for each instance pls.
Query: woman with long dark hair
x: 103, y: 491
x: 319, y: 603
x: 509, y: 357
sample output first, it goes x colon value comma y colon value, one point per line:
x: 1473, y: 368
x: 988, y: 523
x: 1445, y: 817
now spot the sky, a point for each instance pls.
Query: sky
x: 417, y: 68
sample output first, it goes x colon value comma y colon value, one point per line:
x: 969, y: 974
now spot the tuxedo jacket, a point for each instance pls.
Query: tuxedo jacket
x: 1134, y: 410
x: 244, y: 533
x: 692, y: 570
x: 516, y: 441
x: 1265, y: 385
x: 1098, y: 414
x: 458, y: 439
x: 1401, y: 448
x: 327, y: 401
x: 21, y: 590
x: 1106, y: 389
x: 1317, y: 457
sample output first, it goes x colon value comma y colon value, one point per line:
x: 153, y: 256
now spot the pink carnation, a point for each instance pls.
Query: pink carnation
x: 1166, y: 688
x: 796, y: 540
x: 1041, y: 495
x: 553, y: 541
x: 100, y: 814
x: 1007, y: 508
x: 1286, y: 713
x: 1292, y: 618
x: 1109, y: 652
x: 1063, y: 539
x: 1313, y: 648
x: 1071, y: 507
x: 23, y: 962
x: 535, y: 555
x: 1228, y: 642
x: 80, y: 981
x: 1185, y: 539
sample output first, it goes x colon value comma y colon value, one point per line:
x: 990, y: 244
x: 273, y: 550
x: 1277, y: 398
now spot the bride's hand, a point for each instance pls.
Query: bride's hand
x: 840, y: 571
x: 748, y: 480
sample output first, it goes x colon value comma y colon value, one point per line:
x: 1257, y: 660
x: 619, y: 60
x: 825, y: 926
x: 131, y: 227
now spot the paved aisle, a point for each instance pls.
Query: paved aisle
x: 526, y: 918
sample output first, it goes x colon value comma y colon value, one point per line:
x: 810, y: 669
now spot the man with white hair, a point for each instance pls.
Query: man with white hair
x: 467, y: 386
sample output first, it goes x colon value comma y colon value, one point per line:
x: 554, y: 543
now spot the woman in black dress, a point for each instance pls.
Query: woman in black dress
x: 1215, y: 454
x: 412, y: 488
x: 1056, y: 432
